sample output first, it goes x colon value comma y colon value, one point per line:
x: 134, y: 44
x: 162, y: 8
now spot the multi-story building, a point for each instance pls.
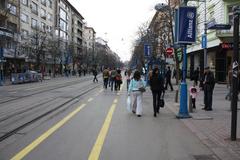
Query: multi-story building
x: 69, y: 29
x: 9, y: 31
x: 89, y: 36
x: 219, y: 42
x: 37, y: 25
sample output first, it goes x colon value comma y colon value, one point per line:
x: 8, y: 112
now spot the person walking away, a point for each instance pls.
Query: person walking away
x: 109, y: 77
x: 196, y: 75
x: 95, y: 75
x: 118, y: 80
x: 193, y: 91
x: 105, y: 77
x: 129, y: 72
x: 113, y: 78
x: 229, y: 85
x: 157, y: 88
x: 134, y: 88
x: 208, y: 84
x: 168, y: 79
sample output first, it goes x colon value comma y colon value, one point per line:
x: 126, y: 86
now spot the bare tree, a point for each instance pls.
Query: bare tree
x: 55, y: 51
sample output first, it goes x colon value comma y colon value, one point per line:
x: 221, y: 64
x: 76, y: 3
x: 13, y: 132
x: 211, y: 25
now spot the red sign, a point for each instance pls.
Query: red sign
x: 169, y: 51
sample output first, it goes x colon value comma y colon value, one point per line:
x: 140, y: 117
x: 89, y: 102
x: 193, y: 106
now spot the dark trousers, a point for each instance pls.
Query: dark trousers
x: 128, y: 82
x: 168, y: 82
x: 113, y: 84
x: 95, y: 78
x: 208, y: 97
x: 105, y: 80
x: 156, y: 100
x: 194, y: 103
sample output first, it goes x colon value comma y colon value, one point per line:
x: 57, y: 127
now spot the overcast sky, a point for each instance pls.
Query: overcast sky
x: 116, y: 21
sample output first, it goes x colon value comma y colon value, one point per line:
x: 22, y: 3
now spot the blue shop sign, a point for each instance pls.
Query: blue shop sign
x: 147, y: 50
x: 186, y: 27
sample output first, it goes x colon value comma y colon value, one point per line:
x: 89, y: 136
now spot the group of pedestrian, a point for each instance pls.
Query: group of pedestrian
x: 112, y: 78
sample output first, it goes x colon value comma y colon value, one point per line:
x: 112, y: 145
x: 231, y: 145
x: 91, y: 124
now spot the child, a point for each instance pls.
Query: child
x: 193, y: 93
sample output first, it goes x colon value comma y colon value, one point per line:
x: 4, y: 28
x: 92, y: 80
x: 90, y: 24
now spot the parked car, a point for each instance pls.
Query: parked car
x: 28, y: 76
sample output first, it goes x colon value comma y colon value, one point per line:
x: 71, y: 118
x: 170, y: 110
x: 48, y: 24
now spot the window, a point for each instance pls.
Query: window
x: 24, y: 34
x: 34, y: 23
x: 43, y: 13
x: 43, y: 2
x: 25, y: 2
x: 34, y: 8
x: 49, y: 17
x: 63, y: 14
x: 43, y: 26
x: 24, y: 18
x: 63, y: 25
x: 230, y: 15
x: 49, y: 3
x: 12, y: 9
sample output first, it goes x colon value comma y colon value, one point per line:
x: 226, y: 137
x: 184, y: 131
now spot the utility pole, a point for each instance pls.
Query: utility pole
x: 205, y: 34
x: 236, y: 13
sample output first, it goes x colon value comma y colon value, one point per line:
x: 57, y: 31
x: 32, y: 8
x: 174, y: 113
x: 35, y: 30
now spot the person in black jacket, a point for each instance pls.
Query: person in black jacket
x: 157, y: 87
x: 168, y: 79
x: 209, y: 83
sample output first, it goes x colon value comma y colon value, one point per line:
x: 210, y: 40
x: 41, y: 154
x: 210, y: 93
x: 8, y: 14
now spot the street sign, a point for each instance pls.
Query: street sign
x: 169, y: 51
x: 219, y: 26
x: 186, y: 25
x: 147, y: 50
x: 204, y: 41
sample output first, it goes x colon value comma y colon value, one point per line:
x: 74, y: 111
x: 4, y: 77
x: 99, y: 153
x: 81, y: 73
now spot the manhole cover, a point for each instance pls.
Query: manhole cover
x: 205, y: 157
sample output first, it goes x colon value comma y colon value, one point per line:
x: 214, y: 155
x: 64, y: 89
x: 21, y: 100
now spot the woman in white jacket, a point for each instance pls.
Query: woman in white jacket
x: 136, y: 87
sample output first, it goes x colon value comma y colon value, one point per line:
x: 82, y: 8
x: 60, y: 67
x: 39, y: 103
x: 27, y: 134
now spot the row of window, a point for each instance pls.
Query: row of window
x: 47, y: 3
x: 25, y: 18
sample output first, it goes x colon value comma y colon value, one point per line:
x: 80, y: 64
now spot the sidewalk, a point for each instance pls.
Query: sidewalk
x: 213, y: 128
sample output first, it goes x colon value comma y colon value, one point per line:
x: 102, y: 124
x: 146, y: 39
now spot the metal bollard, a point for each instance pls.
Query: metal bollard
x: 190, y: 104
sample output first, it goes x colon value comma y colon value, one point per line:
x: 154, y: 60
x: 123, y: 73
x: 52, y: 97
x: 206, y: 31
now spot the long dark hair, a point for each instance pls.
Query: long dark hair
x: 137, y: 75
x: 155, y: 73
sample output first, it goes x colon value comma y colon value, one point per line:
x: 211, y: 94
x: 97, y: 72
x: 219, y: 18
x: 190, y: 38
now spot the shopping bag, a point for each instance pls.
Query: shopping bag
x: 129, y: 104
x: 161, y: 102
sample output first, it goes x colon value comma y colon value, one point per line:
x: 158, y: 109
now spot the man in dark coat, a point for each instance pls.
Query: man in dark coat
x: 209, y: 83
x: 157, y: 87
x: 168, y: 79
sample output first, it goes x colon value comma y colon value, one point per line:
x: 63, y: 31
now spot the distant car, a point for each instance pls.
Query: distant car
x: 28, y: 76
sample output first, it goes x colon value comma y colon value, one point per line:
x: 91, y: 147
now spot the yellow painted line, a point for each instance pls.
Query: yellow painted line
x: 115, y: 100
x: 90, y: 99
x: 96, y: 150
x: 45, y: 135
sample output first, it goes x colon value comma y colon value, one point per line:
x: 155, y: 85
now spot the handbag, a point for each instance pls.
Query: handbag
x: 161, y: 102
x: 142, y: 89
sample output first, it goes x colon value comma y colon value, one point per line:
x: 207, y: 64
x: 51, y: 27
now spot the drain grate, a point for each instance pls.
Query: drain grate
x: 205, y: 157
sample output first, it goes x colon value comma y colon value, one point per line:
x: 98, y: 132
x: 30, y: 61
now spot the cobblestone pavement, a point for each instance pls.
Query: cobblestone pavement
x: 212, y: 127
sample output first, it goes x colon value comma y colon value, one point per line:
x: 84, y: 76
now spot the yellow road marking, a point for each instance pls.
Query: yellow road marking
x: 90, y: 99
x: 45, y: 135
x: 96, y: 150
x: 115, y: 100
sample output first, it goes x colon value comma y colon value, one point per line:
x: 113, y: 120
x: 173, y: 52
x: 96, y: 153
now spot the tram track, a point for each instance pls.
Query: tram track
x: 42, y: 115
x: 45, y: 89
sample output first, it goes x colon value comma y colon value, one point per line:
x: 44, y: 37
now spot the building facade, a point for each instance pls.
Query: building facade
x: 219, y: 42
x: 9, y: 33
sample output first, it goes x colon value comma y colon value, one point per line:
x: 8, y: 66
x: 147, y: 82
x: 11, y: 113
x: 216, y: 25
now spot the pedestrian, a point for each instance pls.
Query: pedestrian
x: 113, y: 78
x: 229, y: 85
x: 95, y: 75
x: 208, y: 84
x: 168, y: 79
x: 105, y: 77
x: 118, y: 80
x: 136, y: 88
x: 129, y: 72
x: 196, y: 75
x: 157, y: 88
x: 109, y: 78
x: 193, y: 91
x: 49, y: 72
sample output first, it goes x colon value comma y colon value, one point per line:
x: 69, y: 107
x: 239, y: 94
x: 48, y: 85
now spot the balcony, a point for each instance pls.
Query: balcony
x: 225, y: 35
